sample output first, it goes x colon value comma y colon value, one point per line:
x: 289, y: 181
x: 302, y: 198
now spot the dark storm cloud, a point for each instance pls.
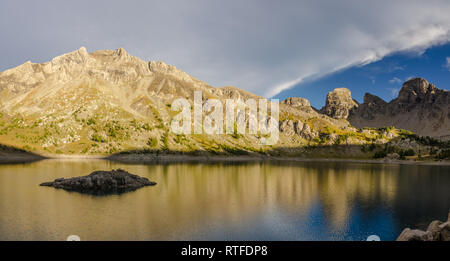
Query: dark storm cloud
x: 261, y: 46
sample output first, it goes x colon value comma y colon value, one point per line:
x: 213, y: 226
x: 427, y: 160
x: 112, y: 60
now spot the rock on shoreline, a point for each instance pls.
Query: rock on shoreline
x: 102, y: 183
x: 436, y: 231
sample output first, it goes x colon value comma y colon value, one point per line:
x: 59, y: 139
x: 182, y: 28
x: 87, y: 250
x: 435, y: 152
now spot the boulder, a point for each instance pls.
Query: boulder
x: 436, y: 231
x: 333, y: 137
x: 102, y: 183
x: 287, y: 127
x: 393, y: 156
x: 298, y: 127
x: 304, y: 131
x: 308, y: 133
x: 445, y: 231
x: 290, y: 127
x: 415, y: 235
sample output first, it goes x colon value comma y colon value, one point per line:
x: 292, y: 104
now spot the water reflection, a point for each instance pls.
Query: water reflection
x: 258, y: 201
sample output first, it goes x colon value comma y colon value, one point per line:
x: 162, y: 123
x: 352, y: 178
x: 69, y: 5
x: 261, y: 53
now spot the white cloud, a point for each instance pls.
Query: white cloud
x: 397, y: 68
x: 447, y: 64
x: 395, y: 80
x: 394, y: 92
x: 259, y: 45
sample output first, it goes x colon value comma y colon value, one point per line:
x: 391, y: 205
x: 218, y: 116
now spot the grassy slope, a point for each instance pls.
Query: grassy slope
x: 109, y: 131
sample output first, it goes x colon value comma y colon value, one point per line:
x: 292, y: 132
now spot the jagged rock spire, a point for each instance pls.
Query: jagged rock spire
x: 339, y: 103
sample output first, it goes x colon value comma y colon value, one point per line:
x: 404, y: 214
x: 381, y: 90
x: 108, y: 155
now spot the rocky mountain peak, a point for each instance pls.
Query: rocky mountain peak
x: 70, y: 70
x: 83, y: 51
x: 420, y: 107
x: 372, y: 106
x: 416, y: 90
x: 166, y: 69
x: 371, y: 99
x: 339, y: 103
x: 20, y: 70
x: 121, y: 52
x: 298, y: 103
x: 79, y: 56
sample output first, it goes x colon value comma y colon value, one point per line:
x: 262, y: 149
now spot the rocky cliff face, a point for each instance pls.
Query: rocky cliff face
x: 420, y: 107
x: 372, y: 106
x: 339, y: 103
x: 299, y: 103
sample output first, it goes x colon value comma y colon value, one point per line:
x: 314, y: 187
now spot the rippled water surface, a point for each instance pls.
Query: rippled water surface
x: 255, y: 201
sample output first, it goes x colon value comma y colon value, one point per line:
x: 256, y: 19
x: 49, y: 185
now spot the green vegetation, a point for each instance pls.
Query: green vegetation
x: 324, y: 138
x: 112, y: 133
x: 388, y: 149
x: 165, y: 141
x: 427, y: 140
x: 406, y: 153
x: 152, y: 142
x: 91, y: 121
x: 343, y: 138
x: 236, y: 135
x: 116, y: 131
x: 146, y: 127
x: 233, y: 150
x: 179, y: 139
x: 97, y: 138
x: 444, y: 154
x: 380, y: 154
x: 386, y: 129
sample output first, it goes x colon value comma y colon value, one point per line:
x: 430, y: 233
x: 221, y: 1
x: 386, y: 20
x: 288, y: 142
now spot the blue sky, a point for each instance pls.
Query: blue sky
x: 383, y: 78
x: 270, y: 48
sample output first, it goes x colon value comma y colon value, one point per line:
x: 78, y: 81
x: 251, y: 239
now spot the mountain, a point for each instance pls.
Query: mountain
x: 339, y: 104
x: 109, y: 101
x: 420, y: 107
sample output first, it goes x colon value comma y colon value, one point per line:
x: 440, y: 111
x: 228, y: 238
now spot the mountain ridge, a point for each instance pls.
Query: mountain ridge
x: 420, y: 107
x: 109, y: 101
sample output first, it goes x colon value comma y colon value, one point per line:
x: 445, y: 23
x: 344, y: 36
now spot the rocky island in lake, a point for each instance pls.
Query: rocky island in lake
x: 102, y: 183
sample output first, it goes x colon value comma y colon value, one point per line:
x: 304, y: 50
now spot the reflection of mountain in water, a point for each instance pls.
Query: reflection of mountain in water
x: 245, y: 201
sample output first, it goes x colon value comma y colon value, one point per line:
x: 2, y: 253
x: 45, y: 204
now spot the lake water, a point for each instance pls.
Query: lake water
x: 254, y: 201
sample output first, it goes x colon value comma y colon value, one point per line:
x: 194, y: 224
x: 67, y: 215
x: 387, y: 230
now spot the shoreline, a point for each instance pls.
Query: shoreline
x: 20, y: 159
x: 152, y: 159
x: 147, y: 159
